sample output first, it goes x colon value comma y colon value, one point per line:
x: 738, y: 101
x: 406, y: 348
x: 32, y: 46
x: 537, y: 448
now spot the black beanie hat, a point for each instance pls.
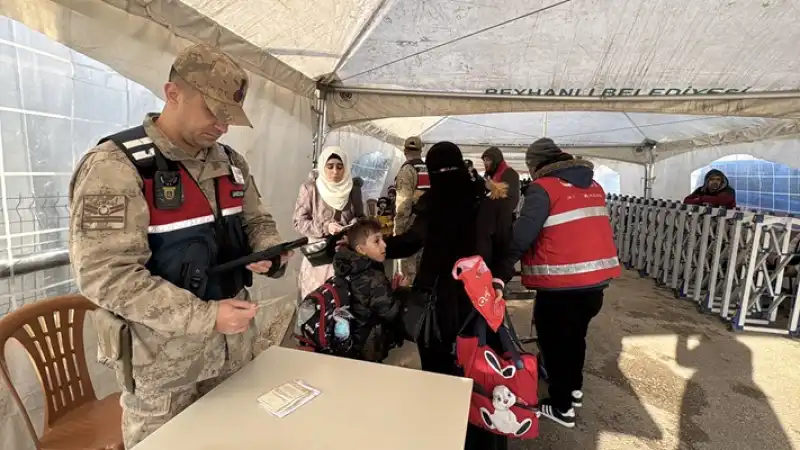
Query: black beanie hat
x: 542, y: 151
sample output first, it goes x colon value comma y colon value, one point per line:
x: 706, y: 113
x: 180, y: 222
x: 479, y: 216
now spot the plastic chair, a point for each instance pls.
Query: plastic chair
x: 51, y: 331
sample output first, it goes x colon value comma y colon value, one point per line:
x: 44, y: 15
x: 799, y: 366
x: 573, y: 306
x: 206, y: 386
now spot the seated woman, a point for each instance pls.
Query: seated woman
x: 455, y: 218
x: 327, y: 202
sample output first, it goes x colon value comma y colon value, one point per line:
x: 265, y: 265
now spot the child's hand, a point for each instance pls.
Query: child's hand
x: 399, y: 281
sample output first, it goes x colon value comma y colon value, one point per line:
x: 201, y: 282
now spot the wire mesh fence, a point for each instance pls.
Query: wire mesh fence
x: 33, y: 227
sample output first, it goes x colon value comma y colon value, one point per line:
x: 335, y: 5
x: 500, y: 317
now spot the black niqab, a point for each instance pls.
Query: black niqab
x: 453, y: 200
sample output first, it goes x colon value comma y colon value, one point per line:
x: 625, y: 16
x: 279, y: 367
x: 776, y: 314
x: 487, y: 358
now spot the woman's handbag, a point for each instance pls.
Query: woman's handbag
x: 320, y: 253
x: 418, y: 315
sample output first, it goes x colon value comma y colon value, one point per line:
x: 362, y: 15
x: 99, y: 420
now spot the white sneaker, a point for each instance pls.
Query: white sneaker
x: 577, y: 399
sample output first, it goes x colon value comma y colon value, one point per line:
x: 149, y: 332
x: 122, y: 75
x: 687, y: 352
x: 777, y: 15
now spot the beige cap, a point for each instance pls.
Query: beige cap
x: 218, y: 78
x: 414, y: 143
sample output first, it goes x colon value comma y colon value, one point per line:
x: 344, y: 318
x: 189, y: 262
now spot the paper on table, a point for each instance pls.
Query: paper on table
x: 288, y: 397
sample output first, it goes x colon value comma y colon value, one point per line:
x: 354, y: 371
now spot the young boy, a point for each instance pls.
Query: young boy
x: 374, y: 308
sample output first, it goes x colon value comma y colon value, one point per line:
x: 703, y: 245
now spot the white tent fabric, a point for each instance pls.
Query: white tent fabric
x: 600, y: 76
x: 386, y: 58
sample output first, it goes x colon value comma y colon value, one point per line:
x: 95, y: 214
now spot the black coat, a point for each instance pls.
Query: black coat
x: 492, y: 234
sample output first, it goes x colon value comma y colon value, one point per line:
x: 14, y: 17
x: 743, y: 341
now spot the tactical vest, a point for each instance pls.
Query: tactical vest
x: 575, y: 248
x: 186, y: 238
x: 423, y: 179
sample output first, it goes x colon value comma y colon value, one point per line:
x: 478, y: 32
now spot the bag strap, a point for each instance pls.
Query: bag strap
x: 508, y: 336
x: 468, y: 320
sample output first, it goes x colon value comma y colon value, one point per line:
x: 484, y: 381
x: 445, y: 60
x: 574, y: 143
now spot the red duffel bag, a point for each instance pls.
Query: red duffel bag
x: 505, y: 383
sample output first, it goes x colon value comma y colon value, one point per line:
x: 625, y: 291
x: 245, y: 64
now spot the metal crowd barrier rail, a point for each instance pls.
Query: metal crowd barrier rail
x: 741, y: 265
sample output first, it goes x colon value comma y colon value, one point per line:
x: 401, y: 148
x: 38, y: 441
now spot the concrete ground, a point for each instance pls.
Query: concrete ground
x: 660, y: 375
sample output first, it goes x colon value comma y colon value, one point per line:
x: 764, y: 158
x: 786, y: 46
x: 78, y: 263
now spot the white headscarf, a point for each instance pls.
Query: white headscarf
x: 335, y: 195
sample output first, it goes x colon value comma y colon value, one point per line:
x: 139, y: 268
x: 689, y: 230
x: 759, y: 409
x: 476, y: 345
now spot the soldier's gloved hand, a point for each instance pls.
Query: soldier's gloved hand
x: 265, y: 266
x: 234, y: 316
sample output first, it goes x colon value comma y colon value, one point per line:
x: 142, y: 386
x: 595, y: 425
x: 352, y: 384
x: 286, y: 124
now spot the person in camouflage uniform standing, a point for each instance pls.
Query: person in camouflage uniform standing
x: 410, y: 183
x: 151, y: 209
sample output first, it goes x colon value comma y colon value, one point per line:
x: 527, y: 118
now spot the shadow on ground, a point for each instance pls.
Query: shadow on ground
x: 660, y: 375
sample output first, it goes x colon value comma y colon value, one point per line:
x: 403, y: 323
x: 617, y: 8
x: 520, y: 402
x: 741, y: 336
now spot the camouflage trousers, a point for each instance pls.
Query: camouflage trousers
x: 145, y: 411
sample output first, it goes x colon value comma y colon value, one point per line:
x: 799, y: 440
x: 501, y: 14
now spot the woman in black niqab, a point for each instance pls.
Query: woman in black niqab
x: 453, y: 219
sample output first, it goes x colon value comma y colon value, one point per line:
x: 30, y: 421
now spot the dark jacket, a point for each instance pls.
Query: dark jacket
x: 536, y: 209
x: 492, y: 228
x: 509, y: 176
x: 372, y: 304
x: 725, y: 196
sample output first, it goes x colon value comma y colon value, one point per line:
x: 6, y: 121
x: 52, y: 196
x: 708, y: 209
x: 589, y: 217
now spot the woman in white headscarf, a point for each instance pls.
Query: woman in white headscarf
x: 327, y: 202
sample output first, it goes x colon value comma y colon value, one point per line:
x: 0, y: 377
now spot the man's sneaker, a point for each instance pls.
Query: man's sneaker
x: 577, y: 399
x: 563, y: 418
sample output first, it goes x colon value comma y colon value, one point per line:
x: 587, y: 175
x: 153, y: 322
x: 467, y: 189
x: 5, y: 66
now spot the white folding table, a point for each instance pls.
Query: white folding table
x: 362, y: 406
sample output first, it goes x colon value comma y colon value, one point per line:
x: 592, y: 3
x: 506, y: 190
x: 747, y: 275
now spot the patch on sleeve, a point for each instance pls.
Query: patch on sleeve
x: 103, y: 212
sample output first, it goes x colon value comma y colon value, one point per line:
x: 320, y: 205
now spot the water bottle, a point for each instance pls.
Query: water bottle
x: 341, y: 327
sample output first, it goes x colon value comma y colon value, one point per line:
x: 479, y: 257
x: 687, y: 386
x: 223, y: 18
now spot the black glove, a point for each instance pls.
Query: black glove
x: 277, y: 270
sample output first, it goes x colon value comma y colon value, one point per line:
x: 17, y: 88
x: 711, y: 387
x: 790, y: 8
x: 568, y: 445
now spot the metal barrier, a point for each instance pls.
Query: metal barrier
x: 738, y: 264
x: 35, y: 261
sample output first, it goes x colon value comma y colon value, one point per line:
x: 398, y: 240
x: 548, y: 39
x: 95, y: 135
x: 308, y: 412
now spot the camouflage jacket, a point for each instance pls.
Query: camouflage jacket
x: 406, y: 188
x: 174, y: 337
x: 373, y: 305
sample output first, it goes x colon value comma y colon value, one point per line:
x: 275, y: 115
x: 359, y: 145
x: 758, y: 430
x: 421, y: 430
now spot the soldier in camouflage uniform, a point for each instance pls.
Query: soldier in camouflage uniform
x: 410, y: 183
x: 181, y: 345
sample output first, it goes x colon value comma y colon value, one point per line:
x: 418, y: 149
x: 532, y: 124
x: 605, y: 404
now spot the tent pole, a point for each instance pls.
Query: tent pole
x: 649, y: 176
x: 544, y: 125
x: 321, y: 108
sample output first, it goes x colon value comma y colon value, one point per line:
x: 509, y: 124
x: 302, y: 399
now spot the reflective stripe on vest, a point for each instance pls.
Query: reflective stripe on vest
x: 571, y: 269
x: 576, y: 214
x: 560, y: 261
x: 183, y: 224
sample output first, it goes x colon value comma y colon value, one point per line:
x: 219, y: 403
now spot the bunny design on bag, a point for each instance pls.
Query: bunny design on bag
x: 504, y: 389
x: 503, y: 418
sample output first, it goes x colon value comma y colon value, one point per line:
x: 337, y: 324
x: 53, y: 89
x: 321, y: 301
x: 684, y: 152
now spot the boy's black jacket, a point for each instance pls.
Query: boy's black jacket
x: 371, y: 301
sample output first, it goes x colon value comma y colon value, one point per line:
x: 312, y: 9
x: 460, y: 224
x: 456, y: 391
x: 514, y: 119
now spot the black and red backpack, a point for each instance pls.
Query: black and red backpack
x: 315, y: 318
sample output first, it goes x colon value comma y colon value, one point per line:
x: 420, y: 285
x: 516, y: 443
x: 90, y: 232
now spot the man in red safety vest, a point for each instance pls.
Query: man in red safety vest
x: 564, y: 239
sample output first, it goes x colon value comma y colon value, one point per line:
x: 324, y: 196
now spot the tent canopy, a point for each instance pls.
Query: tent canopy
x: 600, y: 76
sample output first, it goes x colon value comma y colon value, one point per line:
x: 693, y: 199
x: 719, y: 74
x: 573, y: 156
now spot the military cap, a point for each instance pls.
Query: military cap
x: 414, y: 143
x: 219, y: 79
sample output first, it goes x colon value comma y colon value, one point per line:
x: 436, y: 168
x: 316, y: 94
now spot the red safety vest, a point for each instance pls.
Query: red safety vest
x: 575, y: 248
x: 423, y: 179
x: 188, y: 239
x: 195, y: 209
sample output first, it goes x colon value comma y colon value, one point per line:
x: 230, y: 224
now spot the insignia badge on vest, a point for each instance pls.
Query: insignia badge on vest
x: 237, y: 194
x: 167, y: 189
x: 238, y: 176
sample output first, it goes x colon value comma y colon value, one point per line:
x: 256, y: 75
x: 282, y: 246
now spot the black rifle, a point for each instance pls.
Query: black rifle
x: 271, y: 254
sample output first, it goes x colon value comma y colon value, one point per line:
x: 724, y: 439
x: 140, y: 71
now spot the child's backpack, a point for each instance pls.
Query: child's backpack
x: 317, y: 316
